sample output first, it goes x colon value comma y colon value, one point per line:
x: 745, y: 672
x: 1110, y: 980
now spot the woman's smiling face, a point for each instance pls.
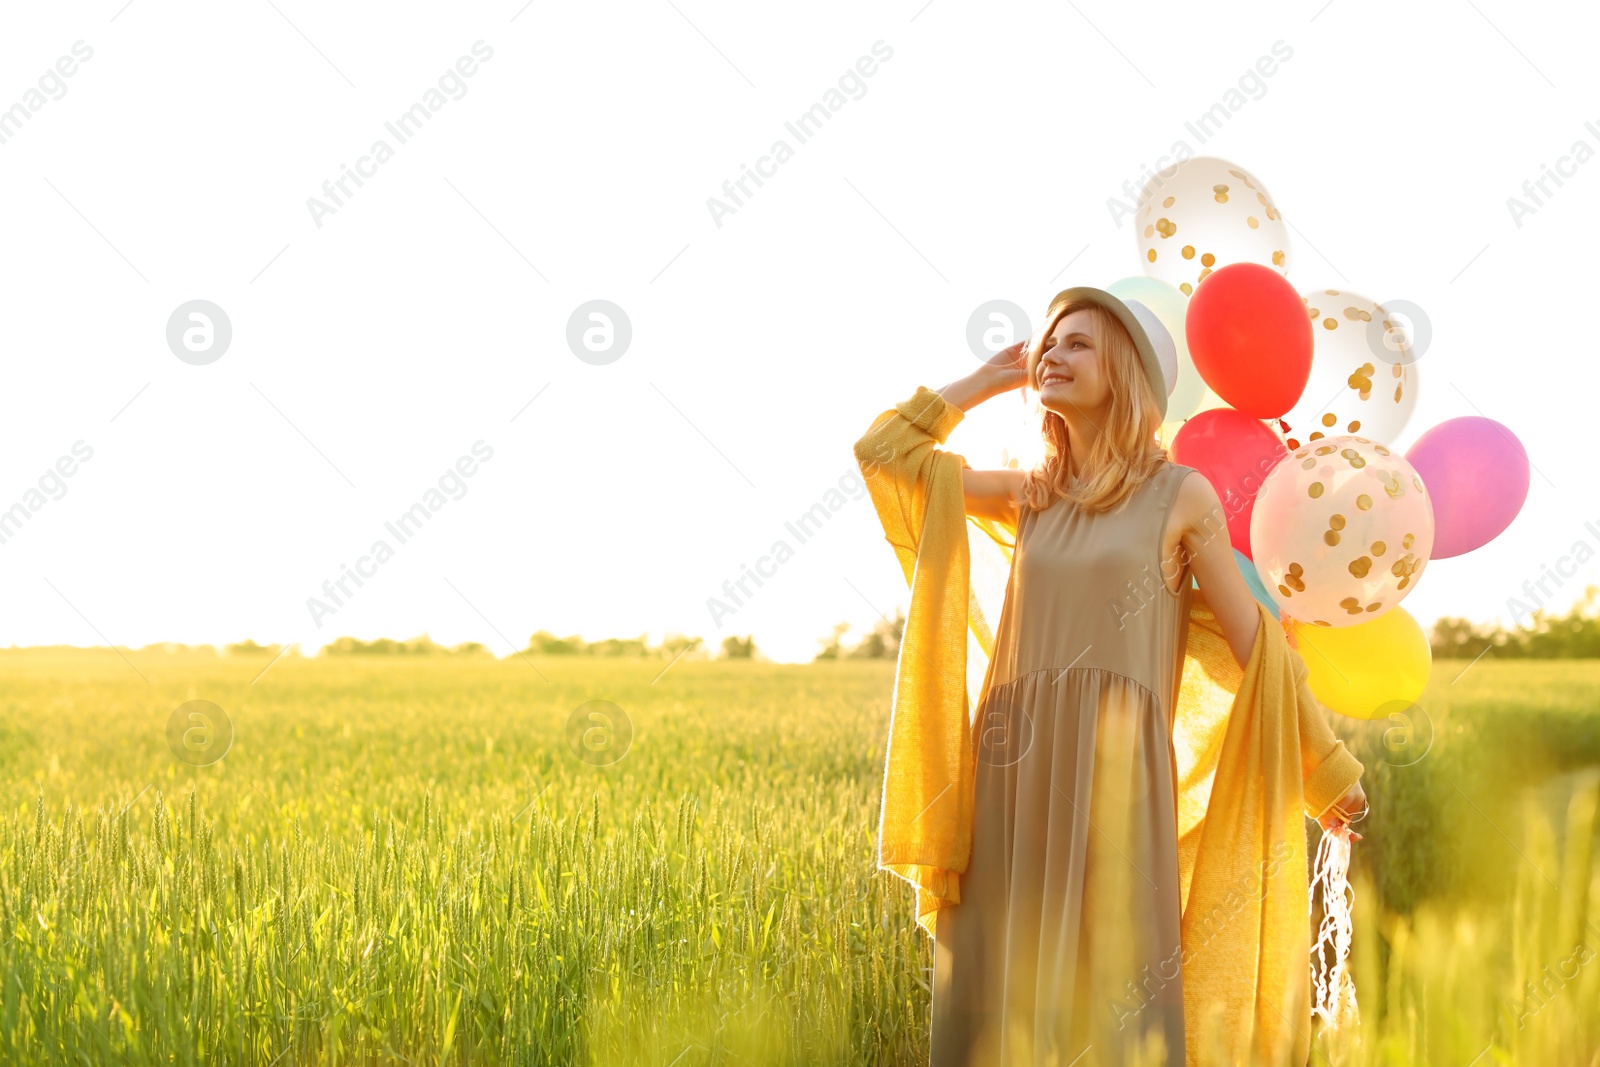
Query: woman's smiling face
x: 1070, y: 372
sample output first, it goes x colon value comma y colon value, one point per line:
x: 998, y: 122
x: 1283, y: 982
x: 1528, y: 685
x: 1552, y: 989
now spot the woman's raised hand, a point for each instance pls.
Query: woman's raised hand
x: 1002, y: 372
x: 1007, y: 369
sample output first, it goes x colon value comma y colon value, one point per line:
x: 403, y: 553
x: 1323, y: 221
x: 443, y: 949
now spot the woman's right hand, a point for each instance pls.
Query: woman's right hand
x: 1007, y: 369
x: 1002, y: 372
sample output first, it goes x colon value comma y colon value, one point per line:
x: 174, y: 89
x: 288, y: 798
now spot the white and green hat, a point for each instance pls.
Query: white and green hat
x: 1156, y: 349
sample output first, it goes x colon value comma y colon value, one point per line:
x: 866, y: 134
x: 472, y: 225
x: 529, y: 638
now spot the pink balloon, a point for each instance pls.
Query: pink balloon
x: 1476, y: 472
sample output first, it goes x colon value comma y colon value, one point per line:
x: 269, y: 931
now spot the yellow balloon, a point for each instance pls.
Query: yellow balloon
x: 1360, y: 670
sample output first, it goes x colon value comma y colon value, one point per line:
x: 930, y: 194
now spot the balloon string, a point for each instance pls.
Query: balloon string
x: 1333, y: 987
x: 1287, y: 623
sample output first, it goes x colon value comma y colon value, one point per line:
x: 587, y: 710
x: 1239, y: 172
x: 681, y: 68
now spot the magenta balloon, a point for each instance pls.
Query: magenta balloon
x: 1476, y: 473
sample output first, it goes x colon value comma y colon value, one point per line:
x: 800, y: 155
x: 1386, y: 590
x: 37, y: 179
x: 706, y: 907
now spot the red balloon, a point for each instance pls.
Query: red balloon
x: 1250, y: 338
x: 1236, y: 453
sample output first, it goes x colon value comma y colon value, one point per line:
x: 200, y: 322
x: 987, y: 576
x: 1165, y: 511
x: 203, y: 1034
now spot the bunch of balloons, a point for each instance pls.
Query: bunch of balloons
x: 1289, y: 403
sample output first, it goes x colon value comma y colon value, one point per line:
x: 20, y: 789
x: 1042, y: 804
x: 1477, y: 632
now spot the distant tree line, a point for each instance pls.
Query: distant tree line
x: 883, y: 642
x: 1575, y: 635
x: 384, y: 646
x: 545, y: 643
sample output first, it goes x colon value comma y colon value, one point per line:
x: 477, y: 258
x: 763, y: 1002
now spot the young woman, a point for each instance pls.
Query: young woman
x: 1065, y: 944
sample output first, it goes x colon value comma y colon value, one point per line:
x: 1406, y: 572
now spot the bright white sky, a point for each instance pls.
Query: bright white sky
x: 370, y: 353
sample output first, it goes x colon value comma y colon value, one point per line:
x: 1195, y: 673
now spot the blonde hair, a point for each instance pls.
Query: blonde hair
x: 1127, y: 452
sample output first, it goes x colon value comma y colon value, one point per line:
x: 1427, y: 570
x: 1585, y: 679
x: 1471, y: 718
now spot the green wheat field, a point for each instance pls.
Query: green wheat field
x: 403, y: 859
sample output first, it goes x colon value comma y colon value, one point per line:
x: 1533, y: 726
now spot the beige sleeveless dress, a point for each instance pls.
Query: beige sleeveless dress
x: 1065, y: 948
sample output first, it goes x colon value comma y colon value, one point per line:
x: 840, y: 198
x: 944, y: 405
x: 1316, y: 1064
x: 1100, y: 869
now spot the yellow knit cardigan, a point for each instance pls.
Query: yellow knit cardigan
x: 1254, y: 750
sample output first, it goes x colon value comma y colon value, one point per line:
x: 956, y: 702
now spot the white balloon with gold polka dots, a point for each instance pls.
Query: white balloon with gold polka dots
x: 1363, y: 373
x: 1206, y: 215
x: 1341, y: 531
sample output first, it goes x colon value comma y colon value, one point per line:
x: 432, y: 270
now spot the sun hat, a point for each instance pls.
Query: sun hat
x: 1156, y: 349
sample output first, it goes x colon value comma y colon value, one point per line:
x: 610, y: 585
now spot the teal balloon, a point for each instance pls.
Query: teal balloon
x: 1170, y: 306
x: 1253, y: 580
x: 1247, y: 570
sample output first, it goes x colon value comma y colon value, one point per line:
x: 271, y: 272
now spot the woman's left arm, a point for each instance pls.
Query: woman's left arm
x: 1210, y: 554
x: 1332, y: 773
